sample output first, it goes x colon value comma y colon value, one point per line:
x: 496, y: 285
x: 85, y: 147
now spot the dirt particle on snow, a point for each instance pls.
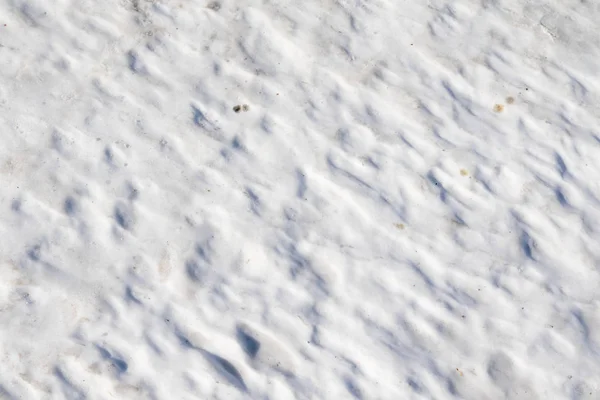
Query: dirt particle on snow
x: 244, y: 108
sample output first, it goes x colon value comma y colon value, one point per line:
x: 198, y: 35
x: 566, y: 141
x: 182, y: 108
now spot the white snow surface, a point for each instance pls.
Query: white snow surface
x: 406, y: 204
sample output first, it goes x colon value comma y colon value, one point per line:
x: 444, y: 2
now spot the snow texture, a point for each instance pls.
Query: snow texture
x: 317, y: 199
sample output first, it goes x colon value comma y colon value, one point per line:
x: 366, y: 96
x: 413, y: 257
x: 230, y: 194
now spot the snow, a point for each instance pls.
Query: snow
x: 404, y: 203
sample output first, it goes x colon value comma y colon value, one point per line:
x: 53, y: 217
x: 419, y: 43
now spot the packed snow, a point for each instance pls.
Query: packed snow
x: 316, y: 199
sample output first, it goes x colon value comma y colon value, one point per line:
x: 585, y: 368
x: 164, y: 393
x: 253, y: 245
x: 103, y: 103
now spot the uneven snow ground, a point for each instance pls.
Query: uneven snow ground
x: 407, y: 208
